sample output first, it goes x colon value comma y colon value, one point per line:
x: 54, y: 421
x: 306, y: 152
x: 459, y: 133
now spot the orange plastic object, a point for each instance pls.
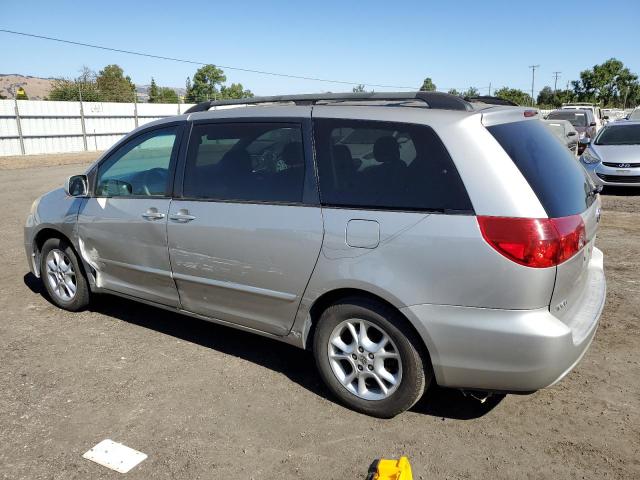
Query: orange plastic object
x: 393, y: 470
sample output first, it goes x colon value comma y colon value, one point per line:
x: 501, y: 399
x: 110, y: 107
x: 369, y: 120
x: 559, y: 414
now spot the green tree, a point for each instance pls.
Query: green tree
x: 84, y: 86
x: 605, y: 83
x: 546, y: 98
x: 453, y: 91
x: 235, y: 90
x: 359, y: 89
x: 470, y: 92
x: 154, y: 92
x: 167, y: 95
x: 515, y: 95
x: 114, y: 86
x: 428, y: 85
x: 206, y: 84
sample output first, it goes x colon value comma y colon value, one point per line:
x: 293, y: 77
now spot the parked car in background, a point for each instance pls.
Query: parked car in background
x: 364, y: 227
x: 582, y: 120
x: 565, y: 132
x: 595, y: 110
x: 613, y: 158
x: 635, y: 114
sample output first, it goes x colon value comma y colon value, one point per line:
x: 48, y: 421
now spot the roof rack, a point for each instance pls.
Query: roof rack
x: 437, y: 100
x: 490, y: 100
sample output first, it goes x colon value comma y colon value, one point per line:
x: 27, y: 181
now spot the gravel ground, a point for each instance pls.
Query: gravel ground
x: 205, y: 401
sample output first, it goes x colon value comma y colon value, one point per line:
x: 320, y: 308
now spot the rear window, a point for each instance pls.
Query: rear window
x: 385, y: 165
x: 577, y: 119
x: 559, y: 181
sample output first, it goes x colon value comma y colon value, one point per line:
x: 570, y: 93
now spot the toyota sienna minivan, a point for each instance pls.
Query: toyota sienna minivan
x: 404, y: 239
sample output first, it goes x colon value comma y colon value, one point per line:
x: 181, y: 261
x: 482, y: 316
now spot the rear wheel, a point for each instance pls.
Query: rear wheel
x: 62, y: 276
x: 370, y: 358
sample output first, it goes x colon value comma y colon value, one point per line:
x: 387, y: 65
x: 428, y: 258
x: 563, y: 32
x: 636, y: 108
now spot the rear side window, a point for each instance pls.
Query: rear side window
x: 384, y: 165
x: 561, y: 184
x: 245, y: 162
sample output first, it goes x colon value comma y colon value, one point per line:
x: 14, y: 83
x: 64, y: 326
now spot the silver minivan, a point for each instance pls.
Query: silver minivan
x: 404, y: 238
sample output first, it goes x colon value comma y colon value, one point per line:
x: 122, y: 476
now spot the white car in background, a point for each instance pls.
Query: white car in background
x: 597, y: 112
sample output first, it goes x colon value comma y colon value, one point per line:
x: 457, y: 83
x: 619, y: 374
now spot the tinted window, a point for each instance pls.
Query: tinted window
x: 386, y: 165
x: 577, y: 119
x: 558, y: 180
x: 245, y: 162
x: 619, y: 135
x: 138, y: 168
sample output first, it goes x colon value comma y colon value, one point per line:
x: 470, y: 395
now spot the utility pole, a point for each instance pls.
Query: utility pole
x: 533, y: 81
x: 555, y: 81
x: 489, y: 88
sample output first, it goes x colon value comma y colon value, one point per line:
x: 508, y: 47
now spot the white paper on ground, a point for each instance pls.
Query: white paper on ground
x: 115, y: 456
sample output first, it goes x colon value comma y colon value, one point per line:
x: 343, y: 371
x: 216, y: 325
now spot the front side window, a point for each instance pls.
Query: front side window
x: 261, y: 162
x: 384, y: 165
x: 139, y: 168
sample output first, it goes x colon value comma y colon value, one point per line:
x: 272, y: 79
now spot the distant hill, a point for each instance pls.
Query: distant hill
x: 38, y: 88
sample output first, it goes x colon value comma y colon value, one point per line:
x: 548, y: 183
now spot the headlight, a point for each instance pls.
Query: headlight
x: 589, y: 158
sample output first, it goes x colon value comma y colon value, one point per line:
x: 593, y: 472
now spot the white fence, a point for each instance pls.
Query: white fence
x: 35, y: 127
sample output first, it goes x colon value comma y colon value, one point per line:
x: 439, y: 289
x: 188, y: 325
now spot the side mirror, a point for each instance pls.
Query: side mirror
x: 606, y: 117
x: 77, y: 186
x: 593, y: 124
x: 572, y: 134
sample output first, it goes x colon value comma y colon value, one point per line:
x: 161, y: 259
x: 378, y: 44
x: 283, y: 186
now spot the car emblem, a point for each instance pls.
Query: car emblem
x: 624, y: 165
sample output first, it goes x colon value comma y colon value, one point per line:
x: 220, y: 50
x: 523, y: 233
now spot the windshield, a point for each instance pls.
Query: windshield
x: 557, y: 129
x: 577, y: 119
x: 620, y: 135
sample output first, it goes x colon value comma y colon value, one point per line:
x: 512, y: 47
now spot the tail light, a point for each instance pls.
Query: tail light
x: 535, y: 242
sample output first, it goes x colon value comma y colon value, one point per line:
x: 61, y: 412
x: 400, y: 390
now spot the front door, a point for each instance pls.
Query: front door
x: 122, y: 228
x: 242, y: 240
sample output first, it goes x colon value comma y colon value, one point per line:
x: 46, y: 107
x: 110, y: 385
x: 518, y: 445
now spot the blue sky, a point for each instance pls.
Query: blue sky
x: 458, y: 44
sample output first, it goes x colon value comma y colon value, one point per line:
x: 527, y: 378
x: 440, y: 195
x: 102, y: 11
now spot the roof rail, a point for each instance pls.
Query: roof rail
x: 490, y: 100
x: 437, y: 100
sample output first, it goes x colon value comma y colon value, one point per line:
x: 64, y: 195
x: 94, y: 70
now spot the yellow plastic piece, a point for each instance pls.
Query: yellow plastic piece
x: 393, y: 470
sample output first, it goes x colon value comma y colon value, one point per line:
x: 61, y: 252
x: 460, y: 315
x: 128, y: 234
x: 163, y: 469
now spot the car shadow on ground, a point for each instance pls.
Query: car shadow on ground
x: 298, y: 365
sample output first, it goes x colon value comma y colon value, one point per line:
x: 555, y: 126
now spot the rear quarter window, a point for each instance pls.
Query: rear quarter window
x: 556, y: 177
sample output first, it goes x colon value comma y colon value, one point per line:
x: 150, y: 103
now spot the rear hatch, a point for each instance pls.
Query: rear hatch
x: 564, y: 190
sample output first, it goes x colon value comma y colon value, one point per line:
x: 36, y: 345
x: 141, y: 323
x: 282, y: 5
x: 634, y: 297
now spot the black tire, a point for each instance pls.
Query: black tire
x: 81, y: 297
x: 416, y: 368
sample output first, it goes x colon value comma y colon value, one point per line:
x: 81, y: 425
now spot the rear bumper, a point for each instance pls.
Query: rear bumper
x: 509, y: 350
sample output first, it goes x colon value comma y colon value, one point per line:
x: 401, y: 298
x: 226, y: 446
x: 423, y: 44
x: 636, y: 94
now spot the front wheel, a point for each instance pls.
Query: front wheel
x: 62, y: 276
x: 370, y: 358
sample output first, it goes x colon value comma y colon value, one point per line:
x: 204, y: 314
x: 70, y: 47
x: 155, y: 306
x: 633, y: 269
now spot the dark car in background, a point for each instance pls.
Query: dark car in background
x: 565, y: 132
x: 582, y: 120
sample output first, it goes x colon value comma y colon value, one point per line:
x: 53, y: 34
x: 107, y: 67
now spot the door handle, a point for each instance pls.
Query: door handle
x: 153, y: 214
x: 182, y: 216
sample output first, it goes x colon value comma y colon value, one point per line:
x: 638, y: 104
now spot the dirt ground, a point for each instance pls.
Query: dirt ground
x: 205, y: 401
x: 39, y: 161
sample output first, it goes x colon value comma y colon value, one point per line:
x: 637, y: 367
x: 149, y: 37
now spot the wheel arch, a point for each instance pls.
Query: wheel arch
x: 333, y: 296
x: 48, y: 233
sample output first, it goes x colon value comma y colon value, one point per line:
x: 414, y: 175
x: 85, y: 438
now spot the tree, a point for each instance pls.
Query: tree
x: 114, y: 86
x: 21, y: 94
x: 546, y: 97
x: 167, y: 95
x: 84, y: 86
x: 235, y: 90
x: 428, y: 85
x: 359, y: 89
x: 470, y: 92
x: 453, y: 91
x: 514, y: 95
x: 154, y: 92
x: 206, y: 83
x: 605, y: 83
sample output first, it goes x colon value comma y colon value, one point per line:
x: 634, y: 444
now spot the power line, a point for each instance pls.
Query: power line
x: 533, y: 79
x: 555, y: 81
x: 194, y: 62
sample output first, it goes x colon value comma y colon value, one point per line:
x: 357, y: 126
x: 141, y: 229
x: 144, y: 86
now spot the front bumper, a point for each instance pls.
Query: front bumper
x: 509, y: 350
x: 612, y: 176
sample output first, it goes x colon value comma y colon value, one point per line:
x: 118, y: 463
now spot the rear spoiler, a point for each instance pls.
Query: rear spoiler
x: 495, y: 116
